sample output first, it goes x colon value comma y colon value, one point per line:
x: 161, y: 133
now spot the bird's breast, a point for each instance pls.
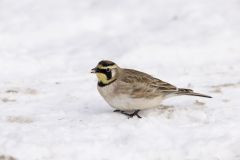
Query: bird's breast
x: 125, y: 101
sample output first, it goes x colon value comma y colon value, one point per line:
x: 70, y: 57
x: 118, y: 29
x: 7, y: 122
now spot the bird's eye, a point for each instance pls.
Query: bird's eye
x: 108, y: 70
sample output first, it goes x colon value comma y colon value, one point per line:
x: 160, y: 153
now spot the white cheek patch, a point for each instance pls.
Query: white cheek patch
x: 113, y: 73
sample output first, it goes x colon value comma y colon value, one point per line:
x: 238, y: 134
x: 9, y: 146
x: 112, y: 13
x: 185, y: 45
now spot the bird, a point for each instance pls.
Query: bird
x: 129, y: 90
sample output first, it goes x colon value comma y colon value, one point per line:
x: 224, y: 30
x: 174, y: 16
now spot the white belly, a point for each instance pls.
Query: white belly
x: 125, y: 102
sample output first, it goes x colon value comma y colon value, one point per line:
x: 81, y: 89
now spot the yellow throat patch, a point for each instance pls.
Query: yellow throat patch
x: 103, y: 78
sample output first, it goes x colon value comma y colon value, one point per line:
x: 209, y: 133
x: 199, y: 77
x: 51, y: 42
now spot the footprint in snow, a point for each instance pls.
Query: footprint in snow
x: 19, y: 119
x: 5, y: 157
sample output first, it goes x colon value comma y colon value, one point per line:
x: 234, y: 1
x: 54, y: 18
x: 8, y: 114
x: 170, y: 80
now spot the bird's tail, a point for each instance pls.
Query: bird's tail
x: 184, y: 91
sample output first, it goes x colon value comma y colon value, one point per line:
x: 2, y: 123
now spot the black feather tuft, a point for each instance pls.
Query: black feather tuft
x: 106, y: 63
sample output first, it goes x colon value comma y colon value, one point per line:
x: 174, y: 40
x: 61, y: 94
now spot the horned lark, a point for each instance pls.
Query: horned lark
x: 131, y: 90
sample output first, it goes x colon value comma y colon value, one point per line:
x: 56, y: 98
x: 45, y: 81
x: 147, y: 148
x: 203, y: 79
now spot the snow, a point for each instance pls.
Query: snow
x: 50, y: 107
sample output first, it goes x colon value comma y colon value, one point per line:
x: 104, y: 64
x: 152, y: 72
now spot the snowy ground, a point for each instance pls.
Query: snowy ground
x: 49, y: 105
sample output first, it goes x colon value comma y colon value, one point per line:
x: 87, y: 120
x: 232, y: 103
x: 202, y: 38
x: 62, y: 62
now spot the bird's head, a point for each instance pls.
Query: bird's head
x: 106, y: 71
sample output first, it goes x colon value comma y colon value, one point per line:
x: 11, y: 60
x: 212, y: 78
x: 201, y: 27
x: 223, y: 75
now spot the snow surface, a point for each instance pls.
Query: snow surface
x: 49, y: 105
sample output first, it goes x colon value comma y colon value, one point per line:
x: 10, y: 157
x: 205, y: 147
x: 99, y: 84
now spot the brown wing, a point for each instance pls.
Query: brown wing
x: 140, y: 84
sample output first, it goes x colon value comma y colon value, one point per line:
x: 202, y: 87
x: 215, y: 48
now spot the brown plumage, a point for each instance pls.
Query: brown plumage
x: 128, y: 89
x: 139, y: 85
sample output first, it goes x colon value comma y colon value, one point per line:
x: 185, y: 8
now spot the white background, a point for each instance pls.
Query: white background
x: 50, y: 108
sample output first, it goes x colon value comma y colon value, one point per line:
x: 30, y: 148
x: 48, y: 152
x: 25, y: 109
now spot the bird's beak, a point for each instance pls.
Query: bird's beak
x: 94, y: 70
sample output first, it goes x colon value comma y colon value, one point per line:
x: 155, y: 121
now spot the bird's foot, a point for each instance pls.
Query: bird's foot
x: 135, y: 113
x: 130, y: 115
x: 117, y: 110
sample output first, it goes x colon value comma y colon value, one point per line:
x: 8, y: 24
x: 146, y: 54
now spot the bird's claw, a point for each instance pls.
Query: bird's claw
x: 135, y: 113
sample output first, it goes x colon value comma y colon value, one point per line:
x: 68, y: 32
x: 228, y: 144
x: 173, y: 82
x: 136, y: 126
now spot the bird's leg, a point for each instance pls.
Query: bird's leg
x: 135, y: 113
x: 120, y: 111
x: 117, y: 110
